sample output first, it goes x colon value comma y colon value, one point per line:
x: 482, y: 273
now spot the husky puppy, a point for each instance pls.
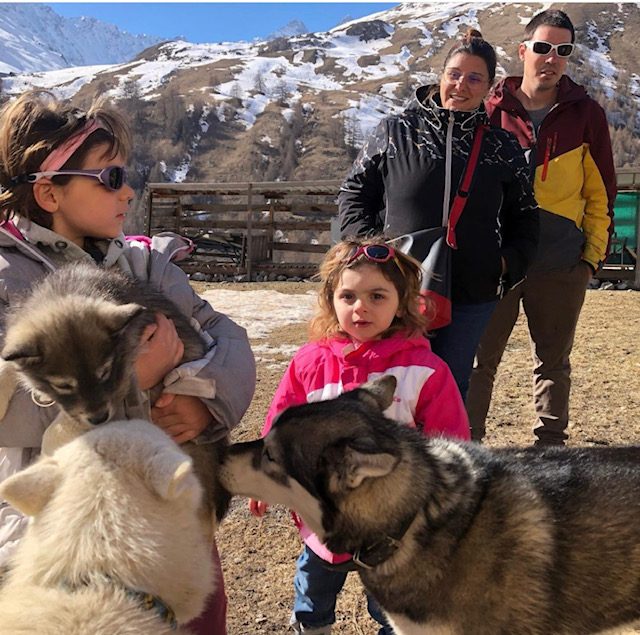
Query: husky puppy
x: 75, y: 337
x: 74, y: 340
x: 452, y: 538
x: 87, y: 564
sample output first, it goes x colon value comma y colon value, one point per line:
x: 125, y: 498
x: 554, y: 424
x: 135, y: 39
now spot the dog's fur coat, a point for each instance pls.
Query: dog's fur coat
x: 75, y: 337
x: 74, y: 340
x: 461, y: 540
x: 115, y: 510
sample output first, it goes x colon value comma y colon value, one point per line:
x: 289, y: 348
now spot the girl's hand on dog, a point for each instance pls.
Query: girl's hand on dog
x: 160, y: 351
x: 257, y: 508
x: 182, y: 417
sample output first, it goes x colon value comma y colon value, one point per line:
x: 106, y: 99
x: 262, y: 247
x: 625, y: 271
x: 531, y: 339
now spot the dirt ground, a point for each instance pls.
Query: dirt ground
x: 259, y: 555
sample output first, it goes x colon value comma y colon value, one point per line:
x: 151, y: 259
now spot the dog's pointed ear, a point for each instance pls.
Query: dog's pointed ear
x: 380, y: 389
x: 170, y: 474
x: 32, y: 488
x: 360, y: 464
x: 22, y: 352
x: 119, y: 315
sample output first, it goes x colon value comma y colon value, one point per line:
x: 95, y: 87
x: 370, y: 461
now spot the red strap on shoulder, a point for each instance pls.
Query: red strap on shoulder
x: 462, y: 194
x: 10, y: 228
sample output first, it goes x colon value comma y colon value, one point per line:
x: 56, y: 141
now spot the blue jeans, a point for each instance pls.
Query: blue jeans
x: 456, y: 344
x: 316, y: 590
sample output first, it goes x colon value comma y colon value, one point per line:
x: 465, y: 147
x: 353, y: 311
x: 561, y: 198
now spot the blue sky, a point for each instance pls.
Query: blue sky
x: 217, y: 21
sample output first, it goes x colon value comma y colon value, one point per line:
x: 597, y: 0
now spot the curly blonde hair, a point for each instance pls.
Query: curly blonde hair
x: 403, y: 271
x: 31, y: 127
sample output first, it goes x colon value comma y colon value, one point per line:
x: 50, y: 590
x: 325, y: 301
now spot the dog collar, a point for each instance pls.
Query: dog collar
x: 154, y: 603
x: 146, y: 601
x: 369, y: 557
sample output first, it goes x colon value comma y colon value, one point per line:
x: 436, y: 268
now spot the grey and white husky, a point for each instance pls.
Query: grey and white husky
x: 74, y: 340
x: 452, y: 538
x: 75, y: 337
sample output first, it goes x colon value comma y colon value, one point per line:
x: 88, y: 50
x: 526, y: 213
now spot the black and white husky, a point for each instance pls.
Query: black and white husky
x: 453, y: 538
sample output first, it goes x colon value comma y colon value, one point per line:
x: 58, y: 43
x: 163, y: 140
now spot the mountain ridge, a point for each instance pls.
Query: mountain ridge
x: 298, y: 107
x: 35, y: 38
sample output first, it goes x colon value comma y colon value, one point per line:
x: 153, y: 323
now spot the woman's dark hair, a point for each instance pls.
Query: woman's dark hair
x: 550, y: 17
x: 472, y: 43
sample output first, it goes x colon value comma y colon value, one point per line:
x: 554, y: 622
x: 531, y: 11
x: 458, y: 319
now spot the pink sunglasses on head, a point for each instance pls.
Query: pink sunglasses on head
x: 375, y: 253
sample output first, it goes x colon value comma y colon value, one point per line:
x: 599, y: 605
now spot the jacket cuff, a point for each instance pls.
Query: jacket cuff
x: 516, y: 270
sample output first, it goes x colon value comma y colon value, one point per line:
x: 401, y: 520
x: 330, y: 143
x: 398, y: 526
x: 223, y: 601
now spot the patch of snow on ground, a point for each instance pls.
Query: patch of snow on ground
x: 264, y: 352
x: 262, y: 311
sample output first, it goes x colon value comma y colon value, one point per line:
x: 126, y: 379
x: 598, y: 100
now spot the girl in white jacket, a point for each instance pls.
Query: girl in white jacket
x: 65, y: 198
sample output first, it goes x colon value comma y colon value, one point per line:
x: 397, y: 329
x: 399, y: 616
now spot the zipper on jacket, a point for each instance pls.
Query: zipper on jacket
x: 551, y: 144
x: 550, y: 148
x: 448, y: 151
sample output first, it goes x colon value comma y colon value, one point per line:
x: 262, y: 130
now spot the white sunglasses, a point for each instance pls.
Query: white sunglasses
x: 540, y: 47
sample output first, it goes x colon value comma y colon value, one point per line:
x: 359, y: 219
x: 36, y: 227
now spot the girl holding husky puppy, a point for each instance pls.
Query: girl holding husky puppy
x: 368, y: 324
x: 64, y: 198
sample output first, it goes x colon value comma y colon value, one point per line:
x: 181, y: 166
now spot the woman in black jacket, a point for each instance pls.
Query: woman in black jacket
x: 408, y: 172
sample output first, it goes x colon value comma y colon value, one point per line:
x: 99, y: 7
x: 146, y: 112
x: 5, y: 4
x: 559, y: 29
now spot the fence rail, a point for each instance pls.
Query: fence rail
x: 286, y: 227
x: 245, y: 228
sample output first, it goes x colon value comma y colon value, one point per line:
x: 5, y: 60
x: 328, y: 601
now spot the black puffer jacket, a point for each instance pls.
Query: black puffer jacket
x: 399, y: 183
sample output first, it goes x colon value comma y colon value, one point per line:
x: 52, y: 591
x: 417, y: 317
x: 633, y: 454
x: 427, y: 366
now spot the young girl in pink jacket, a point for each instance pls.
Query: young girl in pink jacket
x: 369, y: 324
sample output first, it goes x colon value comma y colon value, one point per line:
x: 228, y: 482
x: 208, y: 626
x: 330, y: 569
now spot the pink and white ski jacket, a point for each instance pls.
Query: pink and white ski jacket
x: 426, y: 394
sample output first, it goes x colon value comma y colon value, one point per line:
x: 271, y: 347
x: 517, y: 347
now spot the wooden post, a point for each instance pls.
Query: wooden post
x: 637, y: 265
x: 249, y: 257
x: 149, y: 208
x: 178, y: 214
x: 271, y: 234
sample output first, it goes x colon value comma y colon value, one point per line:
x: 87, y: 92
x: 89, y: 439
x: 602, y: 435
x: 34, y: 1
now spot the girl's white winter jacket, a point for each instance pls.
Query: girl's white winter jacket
x: 225, y: 382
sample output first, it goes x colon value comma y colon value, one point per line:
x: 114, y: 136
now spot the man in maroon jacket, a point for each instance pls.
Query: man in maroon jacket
x: 565, y: 136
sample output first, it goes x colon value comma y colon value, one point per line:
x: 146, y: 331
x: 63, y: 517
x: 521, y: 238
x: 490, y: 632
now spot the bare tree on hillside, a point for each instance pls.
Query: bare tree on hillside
x: 281, y: 93
x: 335, y: 132
x: 259, y: 84
x: 237, y: 94
x: 406, y: 89
x: 353, y: 137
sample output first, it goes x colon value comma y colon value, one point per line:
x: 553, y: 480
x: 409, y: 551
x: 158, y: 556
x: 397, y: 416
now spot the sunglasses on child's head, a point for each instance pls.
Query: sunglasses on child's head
x: 113, y: 177
x: 375, y: 253
x: 540, y: 47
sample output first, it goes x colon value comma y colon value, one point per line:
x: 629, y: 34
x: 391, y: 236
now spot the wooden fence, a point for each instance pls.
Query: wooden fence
x: 244, y: 228
x: 286, y: 227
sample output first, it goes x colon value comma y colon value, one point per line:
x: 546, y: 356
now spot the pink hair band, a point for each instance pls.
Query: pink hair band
x: 60, y: 155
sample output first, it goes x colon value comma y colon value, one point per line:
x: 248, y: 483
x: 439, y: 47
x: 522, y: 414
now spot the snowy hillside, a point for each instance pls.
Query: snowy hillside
x: 33, y: 38
x: 299, y: 106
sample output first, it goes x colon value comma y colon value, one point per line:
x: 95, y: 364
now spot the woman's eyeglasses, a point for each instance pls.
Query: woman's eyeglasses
x: 113, y: 177
x: 540, y: 47
x: 375, y: 253
x: 475, y: 80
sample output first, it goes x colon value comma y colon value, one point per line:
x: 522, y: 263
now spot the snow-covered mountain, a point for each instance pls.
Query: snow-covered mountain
x: 294, y: 27
x: 296, y: 107
x: 33, y: 37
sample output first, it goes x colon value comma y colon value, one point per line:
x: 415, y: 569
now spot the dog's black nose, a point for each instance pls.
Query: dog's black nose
x: 101, y: 417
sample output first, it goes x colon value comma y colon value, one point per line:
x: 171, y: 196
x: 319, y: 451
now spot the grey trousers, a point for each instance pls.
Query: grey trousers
x: 552, y: 302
